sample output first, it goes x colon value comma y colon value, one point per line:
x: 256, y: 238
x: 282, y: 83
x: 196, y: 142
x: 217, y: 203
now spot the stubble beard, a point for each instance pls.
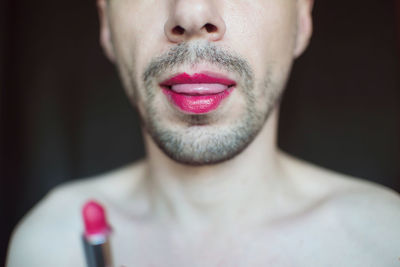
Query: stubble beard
x: 200, y: 140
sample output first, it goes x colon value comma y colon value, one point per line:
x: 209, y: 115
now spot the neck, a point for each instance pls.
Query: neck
x: 237, y: 190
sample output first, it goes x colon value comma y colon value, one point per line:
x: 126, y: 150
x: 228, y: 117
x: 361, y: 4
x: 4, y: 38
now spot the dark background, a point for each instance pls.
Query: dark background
x: 64, y: 115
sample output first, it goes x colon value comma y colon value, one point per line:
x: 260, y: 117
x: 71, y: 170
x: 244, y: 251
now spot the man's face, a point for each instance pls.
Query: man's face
x: 204, y: 74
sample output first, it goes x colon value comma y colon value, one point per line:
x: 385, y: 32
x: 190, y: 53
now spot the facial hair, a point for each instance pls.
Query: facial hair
x: 204, y: 139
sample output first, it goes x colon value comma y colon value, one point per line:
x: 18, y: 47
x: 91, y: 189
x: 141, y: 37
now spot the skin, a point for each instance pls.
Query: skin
x: 259, y: 208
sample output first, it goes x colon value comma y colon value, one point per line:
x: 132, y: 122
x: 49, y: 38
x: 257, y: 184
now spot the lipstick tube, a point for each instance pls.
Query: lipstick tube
x: 96, y: 238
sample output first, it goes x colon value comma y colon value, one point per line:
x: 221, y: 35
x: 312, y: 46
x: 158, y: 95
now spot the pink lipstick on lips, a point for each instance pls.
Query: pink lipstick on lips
x: 198, y: 93
x: 96, y: 236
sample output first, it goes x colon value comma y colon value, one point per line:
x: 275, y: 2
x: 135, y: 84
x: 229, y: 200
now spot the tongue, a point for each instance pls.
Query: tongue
x: 199, y: 88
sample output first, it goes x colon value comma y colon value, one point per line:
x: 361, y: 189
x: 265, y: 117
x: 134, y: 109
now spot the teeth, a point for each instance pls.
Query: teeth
x: 201, y: 88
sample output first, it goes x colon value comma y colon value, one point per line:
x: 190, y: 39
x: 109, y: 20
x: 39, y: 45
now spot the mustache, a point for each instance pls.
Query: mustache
x: 194, y: 53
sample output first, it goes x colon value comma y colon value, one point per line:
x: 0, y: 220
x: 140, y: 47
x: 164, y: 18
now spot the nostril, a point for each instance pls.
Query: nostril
x: 178, y: 30
x: 210, y: 28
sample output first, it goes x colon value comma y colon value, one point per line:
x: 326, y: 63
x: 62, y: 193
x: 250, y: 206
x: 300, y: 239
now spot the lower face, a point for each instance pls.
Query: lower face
x: 197, y: 124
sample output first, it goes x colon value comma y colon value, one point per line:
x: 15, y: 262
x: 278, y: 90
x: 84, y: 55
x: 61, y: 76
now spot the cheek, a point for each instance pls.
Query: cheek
x: 136, y: 38
x: 265, y: 34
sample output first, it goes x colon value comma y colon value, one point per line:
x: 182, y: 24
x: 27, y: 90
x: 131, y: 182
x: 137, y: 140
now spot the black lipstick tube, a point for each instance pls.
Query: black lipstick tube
x: 97, y: 251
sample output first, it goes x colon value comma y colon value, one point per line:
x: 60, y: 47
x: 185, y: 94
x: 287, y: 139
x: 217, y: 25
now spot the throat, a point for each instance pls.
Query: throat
x: 203, y: 196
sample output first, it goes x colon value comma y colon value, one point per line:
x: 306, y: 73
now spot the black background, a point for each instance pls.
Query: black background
x: 64, y: 115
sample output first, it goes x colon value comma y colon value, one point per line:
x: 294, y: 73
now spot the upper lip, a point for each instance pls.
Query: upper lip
x: 198, y: 78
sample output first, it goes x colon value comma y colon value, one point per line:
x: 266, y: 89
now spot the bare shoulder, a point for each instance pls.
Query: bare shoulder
x: 340, y: 188
x: 368, y: 213
x: 50, y: 234
x: 372, y: 211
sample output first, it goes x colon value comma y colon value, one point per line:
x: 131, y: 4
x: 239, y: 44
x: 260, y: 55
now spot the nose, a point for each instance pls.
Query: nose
x: 190, y: 19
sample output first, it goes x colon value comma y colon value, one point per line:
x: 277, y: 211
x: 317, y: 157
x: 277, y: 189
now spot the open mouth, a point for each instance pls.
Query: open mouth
x: 198, y: 93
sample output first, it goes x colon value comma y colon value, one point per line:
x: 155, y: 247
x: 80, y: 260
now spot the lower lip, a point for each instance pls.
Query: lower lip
x: 197, y: 104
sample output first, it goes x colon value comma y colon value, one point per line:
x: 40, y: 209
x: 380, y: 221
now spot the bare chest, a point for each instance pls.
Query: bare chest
x: 292, y: 246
